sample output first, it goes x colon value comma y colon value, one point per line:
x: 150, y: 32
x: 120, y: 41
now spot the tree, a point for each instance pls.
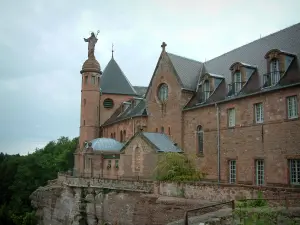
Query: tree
x: 173, y: 166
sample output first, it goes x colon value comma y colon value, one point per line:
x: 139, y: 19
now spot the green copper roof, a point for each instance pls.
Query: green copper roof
x: 114, y: 81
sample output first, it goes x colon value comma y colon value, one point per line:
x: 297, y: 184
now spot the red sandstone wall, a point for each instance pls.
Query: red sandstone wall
x: 274, y: 141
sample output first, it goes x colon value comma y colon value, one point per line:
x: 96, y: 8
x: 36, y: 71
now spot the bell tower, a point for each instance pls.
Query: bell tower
x: 90, y: 95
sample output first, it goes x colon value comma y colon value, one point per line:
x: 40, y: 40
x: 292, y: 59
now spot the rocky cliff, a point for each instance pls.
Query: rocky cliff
x: 61, y: 204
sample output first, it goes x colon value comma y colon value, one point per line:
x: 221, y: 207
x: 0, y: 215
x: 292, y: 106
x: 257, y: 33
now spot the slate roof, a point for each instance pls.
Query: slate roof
x: 138, y: 109
x: 140, y: 90
x: 188, y: 70
x: 114, y: 81
x: 106, y: 144
x: 286, y: 40
x: 161, y: 142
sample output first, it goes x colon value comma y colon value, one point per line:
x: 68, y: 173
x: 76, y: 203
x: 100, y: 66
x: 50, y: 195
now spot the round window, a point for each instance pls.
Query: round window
x: 163, y: 92
x: 108, y: 103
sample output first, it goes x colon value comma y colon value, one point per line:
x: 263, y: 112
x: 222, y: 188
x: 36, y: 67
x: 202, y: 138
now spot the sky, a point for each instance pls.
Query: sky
x: 42, y: 51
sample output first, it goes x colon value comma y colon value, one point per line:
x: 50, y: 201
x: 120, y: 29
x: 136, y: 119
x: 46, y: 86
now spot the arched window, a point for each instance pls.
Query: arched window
x: 121, y: 136
x: 124, y: 135
x: 199, y: 140
x: 163, y: 92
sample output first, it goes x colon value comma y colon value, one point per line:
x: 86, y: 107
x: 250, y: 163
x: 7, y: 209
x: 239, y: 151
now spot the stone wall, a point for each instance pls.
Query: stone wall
x: 224, y: 192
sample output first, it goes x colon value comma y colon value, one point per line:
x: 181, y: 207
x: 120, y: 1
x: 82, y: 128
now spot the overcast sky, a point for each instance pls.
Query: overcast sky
x: 42, y: 51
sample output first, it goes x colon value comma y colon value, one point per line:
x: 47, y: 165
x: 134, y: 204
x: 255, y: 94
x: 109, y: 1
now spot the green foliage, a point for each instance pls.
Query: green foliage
x: 259, y: 202
x: 177, y: 167
x: 21, y: 175
x: 257, y: 212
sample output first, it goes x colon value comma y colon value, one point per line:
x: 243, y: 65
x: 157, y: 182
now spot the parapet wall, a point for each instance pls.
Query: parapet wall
x: 191, y: 190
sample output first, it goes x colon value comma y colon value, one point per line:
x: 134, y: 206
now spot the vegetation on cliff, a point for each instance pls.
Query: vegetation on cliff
x: 178, y: 167
x: 21, y: 175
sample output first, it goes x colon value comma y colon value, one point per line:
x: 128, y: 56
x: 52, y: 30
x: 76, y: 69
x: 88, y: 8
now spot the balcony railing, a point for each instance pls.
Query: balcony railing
x: 272, y: 78
x: 235, y: 87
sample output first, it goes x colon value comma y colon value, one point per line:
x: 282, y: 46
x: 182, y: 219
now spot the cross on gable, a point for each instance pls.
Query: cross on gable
x: 163, y: 45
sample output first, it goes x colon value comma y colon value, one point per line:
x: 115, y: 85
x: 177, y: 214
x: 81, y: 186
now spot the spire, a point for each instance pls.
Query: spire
x: 163, y: 46
x: 112, y: 51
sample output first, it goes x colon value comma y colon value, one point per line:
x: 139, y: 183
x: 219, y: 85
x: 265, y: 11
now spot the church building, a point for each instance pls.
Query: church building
x: 237, y: 113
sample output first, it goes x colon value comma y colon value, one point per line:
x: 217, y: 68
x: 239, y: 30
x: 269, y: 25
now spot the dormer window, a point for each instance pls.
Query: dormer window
x: 237, y: 82
x: 274, y: 72
x: 277, y: 64
x: 206, y: 90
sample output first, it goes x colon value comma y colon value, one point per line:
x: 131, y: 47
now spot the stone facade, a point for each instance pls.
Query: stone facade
x: 272, y: 142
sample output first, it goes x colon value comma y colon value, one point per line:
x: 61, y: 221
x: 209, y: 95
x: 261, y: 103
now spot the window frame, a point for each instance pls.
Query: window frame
x: 232, y: 176
x: 260, y: 178
x: 229, y: 111
x: 206, y: 89
x: 296, y: 170
x: 163, y: 92
x: 237, y: 83
x: 295, y: 105
x: 261, y: 113
x: 200, y: 140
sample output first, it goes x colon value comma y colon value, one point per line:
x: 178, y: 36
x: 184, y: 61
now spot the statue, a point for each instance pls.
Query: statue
x: 92, y: 40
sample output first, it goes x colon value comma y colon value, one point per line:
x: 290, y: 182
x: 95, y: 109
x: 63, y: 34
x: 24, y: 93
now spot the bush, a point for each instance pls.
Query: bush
x: 173, y: 166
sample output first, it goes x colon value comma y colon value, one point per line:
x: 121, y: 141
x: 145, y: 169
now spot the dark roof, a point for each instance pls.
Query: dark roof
x: 188, y: 70
x: 162, y: 142
x: 136, y: 108
x: 286, y: 40
x: 114, y: 81
x: 140, y: 90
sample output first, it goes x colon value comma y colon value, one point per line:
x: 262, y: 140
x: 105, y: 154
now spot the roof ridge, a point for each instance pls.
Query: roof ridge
x: 260, y: 39
x: 184, y: 57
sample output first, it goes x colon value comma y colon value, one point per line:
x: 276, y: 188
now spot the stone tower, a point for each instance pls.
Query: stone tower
x: 90, y: 95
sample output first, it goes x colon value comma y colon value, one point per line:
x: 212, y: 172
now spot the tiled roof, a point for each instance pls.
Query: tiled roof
x: 140, y: 90
x: 138, y: 109
x: 161, y: 141
x: 114, y: 81
x: 188, y: 70
x: 286, y: 40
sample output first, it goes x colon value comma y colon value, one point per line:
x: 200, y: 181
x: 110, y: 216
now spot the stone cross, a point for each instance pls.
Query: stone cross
x: 163, y: 45
x: 92, y: 40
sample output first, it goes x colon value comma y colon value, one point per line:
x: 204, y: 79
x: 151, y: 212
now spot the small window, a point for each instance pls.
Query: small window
x: 274, y: 71
x: 163, y: 92
x: 237, y: 82
x: 169, y: 130
x: 121, y: 136
x: 200, y: 139
x: 294, y: 171
x: 259, y: 172
x: 85, y: 79
x: 109, y: 164
x: 93, y: 80
x: 124, y: 135
x: 206, y: 90
x: 292, y: 107
x: 117, y: 164
x: 259, y: 113
x: 108, y: 103
x: 232, y: 171
x: 231, y: 117
x: 98, y: 80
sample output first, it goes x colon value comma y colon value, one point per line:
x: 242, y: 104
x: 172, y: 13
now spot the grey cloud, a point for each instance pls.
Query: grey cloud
x: 42, y: 51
